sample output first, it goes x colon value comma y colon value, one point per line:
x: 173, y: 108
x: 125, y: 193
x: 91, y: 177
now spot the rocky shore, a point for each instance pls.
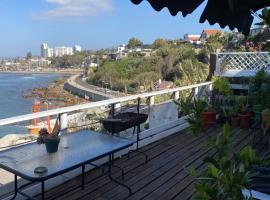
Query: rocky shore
x: 55, y: 94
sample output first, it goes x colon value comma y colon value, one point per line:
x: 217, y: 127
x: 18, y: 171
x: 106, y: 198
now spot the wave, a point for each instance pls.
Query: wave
x: 29, y: 78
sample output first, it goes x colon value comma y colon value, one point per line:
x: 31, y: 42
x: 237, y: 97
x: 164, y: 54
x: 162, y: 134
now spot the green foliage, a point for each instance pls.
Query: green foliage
x: 217, y: 41
x: 195, y: 118
x: 265, y: 17
x: 134, y: 42
x: 222, y: 86
x: 176, y: 63
x: 259, y: 83
x: 67, y: 61
x: 203, y: 56
x: 225, y: 176
x: 159, y: 43
x: 29, y: 56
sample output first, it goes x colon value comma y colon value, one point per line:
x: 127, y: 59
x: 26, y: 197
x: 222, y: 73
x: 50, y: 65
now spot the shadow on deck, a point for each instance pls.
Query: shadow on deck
x: 165, y: 176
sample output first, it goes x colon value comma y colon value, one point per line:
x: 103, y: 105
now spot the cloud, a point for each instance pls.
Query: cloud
x: 74, y: 8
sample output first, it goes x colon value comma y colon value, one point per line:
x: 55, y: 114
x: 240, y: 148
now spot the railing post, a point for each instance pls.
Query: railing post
x: 210, y: 87
x: 217, y: 70
x: 196, y: 91
x: 151, y: 101
x: 115, y: 107
x: 176, y: 95
x: 63, y: 121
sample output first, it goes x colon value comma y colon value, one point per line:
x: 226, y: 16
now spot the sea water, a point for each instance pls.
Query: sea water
x: 12, y: 103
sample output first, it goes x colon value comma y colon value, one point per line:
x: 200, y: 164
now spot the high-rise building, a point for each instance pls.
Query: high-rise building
x: 46, y: 52
x: 61, y: 51
x: 77, y: 48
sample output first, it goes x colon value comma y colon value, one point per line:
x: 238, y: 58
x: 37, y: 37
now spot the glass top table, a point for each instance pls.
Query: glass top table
x: 74, y: 150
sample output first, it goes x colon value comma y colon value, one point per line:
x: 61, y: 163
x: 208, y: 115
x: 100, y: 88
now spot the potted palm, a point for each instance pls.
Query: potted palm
x: 234, y: 118
x: 265, y: 120
x: 51, y: 140
x: 209, y: 116
x: 257, y: 110
x: 245, y: 118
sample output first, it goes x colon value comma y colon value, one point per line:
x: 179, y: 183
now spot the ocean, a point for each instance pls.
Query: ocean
x: 12, y: 88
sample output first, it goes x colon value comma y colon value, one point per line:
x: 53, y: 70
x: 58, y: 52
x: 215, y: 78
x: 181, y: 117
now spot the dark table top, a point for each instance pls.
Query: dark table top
x: 74, y: 150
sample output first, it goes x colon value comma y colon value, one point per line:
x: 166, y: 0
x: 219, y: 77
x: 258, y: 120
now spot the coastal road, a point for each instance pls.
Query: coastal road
x: 78, y: 80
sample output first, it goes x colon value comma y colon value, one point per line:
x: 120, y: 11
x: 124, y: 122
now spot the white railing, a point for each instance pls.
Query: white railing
x: 237, y: 64
x: 114, y: 101
x: 147, y: 136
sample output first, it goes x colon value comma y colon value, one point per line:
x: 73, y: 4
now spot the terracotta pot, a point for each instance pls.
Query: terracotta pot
x: 235, y: 122
x: 208, y: 118
x: 245, y: 120
x: 265, y: 118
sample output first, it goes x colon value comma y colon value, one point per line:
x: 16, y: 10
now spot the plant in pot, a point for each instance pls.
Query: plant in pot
x: 265, y: 120
x: 234, y: 118
x: 209, y: 116
x: 51, y: 140
x: 245, y: 113
x: 257, y: 110
x: 227, y: 173
x: 265, y: 87
x: 195, y: 118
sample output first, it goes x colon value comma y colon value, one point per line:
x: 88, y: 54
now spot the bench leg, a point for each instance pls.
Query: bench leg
x: 43, y: 190
x: 83, y: 177
x: 112, y: 179
x: 15, y: 187
x: 137, y: 145
x: 113, y: 165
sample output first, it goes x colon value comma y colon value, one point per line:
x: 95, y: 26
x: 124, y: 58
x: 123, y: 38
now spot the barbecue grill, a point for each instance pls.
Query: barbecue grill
x: 117, y: 123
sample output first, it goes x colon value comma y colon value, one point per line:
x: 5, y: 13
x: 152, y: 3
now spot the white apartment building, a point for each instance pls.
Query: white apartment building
x: 77, y: 48
x: 258, y: 29
x: 61, y: 51
x: 39, y: 62
x: 46, y: 52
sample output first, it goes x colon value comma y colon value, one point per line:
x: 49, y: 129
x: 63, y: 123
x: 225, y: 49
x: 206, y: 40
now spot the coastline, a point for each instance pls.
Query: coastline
x: 41, y: 72
x: 56, y: 93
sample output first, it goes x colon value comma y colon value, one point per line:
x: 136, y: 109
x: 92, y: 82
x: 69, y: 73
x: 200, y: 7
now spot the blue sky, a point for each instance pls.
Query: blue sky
x: 93, y: 24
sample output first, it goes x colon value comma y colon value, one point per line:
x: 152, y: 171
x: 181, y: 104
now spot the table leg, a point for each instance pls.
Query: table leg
x: 83, y: 176
x: 15, y: 187
x: 112, y: 179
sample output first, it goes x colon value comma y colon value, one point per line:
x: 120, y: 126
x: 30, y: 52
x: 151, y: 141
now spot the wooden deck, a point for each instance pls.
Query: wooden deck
x: 165, y: 176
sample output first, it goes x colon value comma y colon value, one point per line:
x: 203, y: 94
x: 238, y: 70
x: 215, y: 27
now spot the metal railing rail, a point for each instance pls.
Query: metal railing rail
x: 113, y: 101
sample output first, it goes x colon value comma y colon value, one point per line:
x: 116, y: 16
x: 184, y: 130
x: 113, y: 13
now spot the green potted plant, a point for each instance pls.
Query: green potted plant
x: 195, y: 118
x: 266, y: 119
x: 266, y: 114
x: 234, y: 117
x: 222, y: 86
x: 245, y: 118
x: 265, y: 86
x: 51, y: 140
x: 208, y: 116
x: 227, y: 173
x: 257, y: 110
x: 245, y: 113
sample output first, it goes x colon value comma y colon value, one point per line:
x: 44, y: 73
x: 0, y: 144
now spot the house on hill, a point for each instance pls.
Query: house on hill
x: 193, y: 39
x: 208, y: 32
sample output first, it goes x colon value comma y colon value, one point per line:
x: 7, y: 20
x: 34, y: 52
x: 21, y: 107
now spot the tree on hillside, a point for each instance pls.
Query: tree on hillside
x: 265, y: 17
x: 217, y: 41
x: 134, y: 42
x: 159, y: 43
x: 29, y: 56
